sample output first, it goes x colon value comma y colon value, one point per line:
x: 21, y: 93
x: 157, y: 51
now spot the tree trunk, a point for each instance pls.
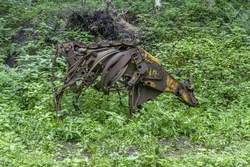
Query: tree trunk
x: 157, y: 4
x: 29, y: 4
x: 83, y: 3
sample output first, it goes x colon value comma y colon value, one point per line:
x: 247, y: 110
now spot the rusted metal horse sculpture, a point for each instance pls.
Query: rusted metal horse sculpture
x: 114, y: 65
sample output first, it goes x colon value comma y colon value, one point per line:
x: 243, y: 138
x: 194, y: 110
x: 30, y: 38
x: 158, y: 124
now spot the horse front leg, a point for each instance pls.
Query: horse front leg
x: 75, y: 102
x: 131, y: 103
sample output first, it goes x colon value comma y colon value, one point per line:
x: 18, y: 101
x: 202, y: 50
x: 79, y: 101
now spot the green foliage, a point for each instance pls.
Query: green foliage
x: 210, y: 41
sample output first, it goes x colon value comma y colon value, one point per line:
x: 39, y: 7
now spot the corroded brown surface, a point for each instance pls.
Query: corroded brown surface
x: 116, y: 66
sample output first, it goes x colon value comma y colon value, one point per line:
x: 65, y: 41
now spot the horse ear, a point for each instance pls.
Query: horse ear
x: 185, y: 83
x: 190, y: 82
x: 190, y: 79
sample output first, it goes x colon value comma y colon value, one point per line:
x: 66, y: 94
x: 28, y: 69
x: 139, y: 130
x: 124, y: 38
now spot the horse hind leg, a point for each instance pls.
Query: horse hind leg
x: 59, y: 94
x: 58, y: 101
x: 58, y: 98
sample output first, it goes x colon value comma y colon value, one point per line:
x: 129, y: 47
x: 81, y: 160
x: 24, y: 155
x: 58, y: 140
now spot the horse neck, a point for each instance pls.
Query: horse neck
x: 171, y: 84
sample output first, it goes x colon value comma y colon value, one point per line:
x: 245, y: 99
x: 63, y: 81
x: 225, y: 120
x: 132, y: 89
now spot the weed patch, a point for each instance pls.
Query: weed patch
x: 210, y: 42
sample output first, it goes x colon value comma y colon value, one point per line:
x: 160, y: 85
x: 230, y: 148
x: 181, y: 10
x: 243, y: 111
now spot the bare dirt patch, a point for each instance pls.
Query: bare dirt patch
x: 70, y: 150
x: 178, y: 147
x: 24, y: 33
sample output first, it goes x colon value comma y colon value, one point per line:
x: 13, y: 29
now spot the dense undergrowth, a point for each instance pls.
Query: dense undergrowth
x: 209, y: 39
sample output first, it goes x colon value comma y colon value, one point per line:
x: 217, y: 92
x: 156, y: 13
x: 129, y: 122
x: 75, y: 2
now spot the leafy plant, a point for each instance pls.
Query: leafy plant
x: 210, y: 41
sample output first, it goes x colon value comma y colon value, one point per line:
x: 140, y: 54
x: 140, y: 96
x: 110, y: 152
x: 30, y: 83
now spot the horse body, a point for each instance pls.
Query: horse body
x: 109, y: 64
